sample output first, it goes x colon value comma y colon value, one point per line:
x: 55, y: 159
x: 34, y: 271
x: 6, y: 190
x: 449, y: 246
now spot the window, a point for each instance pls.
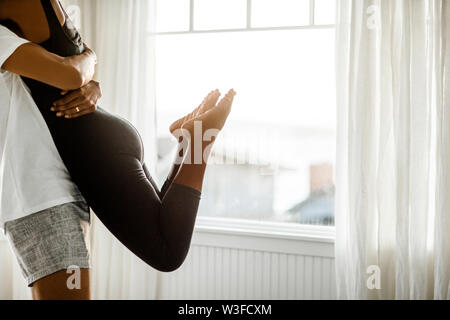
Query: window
x: 274, y: 160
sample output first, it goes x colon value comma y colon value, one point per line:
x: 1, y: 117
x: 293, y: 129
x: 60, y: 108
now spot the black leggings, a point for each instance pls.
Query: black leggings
x: 105, y: 160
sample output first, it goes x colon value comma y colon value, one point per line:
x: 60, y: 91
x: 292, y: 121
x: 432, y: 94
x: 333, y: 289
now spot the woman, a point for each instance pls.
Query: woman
x: 103, y: 153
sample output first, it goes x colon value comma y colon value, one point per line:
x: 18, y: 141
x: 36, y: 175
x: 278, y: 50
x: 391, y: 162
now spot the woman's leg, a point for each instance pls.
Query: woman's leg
x: 191, y: 174
x: 157, y: 228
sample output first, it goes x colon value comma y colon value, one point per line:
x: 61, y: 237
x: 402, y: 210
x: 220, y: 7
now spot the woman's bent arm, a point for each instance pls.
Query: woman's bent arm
x: 67, y: 73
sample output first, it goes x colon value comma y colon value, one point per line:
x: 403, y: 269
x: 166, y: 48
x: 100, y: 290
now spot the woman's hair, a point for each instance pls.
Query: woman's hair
x: 13, y: 26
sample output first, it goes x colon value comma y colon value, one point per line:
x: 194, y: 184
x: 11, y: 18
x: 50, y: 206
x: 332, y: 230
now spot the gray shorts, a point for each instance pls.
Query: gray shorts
x: 50, y: 240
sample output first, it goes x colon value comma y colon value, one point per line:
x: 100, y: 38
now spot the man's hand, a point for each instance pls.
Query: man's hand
x: 79, y: 102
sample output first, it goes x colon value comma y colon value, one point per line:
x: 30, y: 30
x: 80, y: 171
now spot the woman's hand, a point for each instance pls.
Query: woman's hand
x: 79, y: 102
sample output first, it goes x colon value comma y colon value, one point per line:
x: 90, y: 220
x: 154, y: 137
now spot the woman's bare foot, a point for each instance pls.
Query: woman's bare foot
x: 212, y: 117
x: 198, y: 136
x: 199, y: 129
x: 207, y: 103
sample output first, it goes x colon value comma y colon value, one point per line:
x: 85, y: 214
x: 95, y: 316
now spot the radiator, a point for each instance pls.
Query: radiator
x: 239, y: 267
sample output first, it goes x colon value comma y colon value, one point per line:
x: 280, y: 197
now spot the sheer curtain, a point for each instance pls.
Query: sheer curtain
x: 117, y: 31
x: 392, y: 211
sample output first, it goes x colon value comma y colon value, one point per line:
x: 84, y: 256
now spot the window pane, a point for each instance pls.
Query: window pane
x: 220, y: 14
x: 274, y: 160
x: 277, y: 13
x: 325, y: 12
x: 172, y: 15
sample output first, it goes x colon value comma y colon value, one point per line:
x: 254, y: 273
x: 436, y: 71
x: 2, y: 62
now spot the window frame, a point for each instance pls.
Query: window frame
x: 255, y: 228
x: 192, y: 30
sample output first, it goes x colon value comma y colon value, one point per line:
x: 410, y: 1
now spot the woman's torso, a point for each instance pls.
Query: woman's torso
x: 64, y: 41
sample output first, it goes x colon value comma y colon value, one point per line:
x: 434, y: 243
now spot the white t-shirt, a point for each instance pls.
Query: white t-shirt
x: 32, y: 174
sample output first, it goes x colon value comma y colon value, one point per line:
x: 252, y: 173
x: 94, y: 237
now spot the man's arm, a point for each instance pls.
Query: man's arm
x: 67, y: 73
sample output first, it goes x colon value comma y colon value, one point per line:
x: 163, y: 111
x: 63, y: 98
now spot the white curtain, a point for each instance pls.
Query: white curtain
x: 118, y: 31
x: 393, y: 161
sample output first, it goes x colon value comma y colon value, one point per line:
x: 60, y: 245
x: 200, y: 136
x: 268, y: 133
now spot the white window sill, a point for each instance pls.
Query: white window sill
x: 266, y: 229
x: 287, y: 238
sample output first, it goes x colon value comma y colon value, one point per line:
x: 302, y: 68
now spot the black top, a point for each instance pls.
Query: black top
x: 64, y: 41
x: 62, y: 38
